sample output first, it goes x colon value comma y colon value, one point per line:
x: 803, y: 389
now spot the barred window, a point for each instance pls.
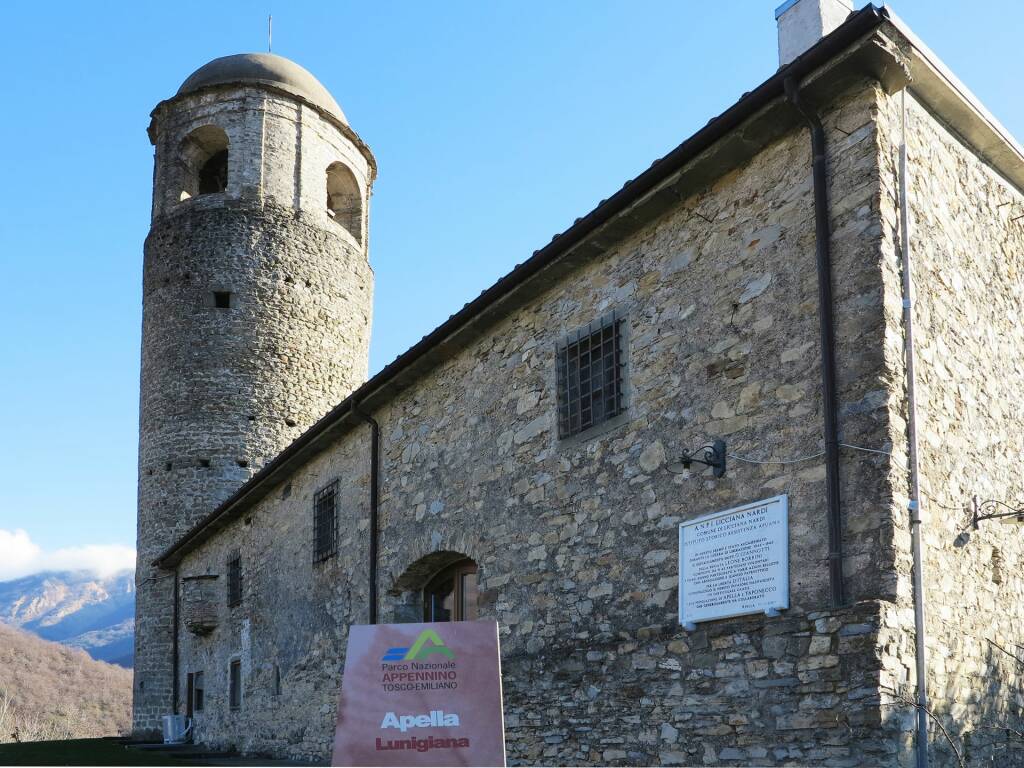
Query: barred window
x: 235, y: 685
x: 325, y: 522
x: 234, y: 580
x: 198, y: 692
x: 590, y: 368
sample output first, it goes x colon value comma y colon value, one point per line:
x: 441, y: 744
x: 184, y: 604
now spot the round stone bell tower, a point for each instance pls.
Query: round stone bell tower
x: 256, y: 306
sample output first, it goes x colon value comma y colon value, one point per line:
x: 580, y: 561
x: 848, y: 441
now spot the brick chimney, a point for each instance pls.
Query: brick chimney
x: 802, y: 23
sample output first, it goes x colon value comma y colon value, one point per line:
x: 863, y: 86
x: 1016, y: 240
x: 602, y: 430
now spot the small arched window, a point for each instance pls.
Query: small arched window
x: 451, y: 595
x: 344, y: 200
x: 204, y: 162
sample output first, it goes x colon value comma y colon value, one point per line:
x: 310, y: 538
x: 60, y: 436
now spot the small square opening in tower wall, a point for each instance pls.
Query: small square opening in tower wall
x: 222, y: 299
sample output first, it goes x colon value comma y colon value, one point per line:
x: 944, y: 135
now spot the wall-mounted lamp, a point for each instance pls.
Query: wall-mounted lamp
x: 1012, y: 517
x: 714, y: 457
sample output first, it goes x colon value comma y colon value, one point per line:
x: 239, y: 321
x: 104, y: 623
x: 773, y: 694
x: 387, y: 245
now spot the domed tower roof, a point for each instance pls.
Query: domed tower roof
x: 267, y: 69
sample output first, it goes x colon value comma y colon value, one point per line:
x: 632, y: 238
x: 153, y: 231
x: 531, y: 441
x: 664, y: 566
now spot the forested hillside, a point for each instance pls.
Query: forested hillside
x: 50, y: 691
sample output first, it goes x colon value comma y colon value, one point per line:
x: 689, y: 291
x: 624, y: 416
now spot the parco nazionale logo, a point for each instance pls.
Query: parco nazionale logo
x: 427, y: 644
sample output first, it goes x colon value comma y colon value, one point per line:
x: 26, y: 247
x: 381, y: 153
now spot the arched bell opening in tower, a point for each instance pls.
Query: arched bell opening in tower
x: 213, y: 176
x: 204, y: 162
x: 344, y: 200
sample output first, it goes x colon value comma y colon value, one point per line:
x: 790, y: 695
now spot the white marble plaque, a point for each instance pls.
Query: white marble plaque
x: 735, y: 562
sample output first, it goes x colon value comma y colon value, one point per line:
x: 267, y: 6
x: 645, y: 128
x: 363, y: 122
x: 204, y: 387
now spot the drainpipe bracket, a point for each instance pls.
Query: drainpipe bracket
x: 915, y: 511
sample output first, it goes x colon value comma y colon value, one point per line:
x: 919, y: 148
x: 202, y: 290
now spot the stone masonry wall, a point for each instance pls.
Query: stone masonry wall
x: 967, y: 255
x: 294, y: 613
x: 223, y: 390
x: 576, y: 540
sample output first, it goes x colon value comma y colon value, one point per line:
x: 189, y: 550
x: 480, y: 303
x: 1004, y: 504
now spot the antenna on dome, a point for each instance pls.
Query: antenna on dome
x: 270, y: 33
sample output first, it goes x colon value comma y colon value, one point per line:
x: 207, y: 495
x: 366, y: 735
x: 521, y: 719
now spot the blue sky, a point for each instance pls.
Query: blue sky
x: 494, y: 126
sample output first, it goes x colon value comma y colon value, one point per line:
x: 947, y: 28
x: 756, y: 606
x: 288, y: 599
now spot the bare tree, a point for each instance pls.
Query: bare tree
x: 958, y: 746
x: 916, y: 705
x: 6, y: 715
x: 50, y: 692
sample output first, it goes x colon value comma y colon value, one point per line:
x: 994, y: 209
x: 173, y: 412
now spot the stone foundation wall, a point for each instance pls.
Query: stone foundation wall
x: 800, y: 691
x: 576, y: 540
x: 967, y: 256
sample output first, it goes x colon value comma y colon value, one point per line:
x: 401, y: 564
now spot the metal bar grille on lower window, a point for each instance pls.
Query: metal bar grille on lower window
x: 235, y: 580
x: 325, y: 523
x: 589, y: 375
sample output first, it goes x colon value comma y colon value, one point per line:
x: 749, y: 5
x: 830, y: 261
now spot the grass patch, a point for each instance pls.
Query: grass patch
x: 82, y: 752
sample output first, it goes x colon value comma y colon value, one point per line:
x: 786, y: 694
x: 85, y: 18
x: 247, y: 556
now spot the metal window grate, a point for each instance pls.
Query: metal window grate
x: 235, y: 580
x: 325, y: 523
x: 590, y: 376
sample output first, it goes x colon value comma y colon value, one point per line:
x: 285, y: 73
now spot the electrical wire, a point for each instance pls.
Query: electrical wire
x: 906, y: 471
x: 934, y: 503
x: 775, y: 461
x: 866, y: 450
x: 749, y: 460
x: 809, y: 457
x: 152, y: 579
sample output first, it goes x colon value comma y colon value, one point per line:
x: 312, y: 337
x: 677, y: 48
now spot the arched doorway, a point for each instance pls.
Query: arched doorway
x: 451, y: 594
x: 439, y: 586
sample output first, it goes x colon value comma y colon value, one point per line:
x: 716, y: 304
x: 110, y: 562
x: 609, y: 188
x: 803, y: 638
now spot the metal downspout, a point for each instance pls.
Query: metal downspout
x: 915, y: 488
x: 828, y: 352
x: 174, y: 661
x: 374, y: 505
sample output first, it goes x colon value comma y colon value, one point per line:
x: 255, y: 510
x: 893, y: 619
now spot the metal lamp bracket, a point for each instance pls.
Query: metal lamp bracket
x: 979, y: 511
x: 714, y: 457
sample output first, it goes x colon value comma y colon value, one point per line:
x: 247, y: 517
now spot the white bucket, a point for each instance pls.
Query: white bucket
x: 175, y: 729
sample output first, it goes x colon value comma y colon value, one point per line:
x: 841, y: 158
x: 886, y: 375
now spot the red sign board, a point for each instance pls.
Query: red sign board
x: 421, y: 694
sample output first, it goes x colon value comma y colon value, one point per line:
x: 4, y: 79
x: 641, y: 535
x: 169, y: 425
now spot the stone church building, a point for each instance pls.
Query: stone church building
x: 522, y: 461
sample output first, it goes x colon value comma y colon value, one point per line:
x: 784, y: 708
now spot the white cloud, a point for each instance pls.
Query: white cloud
x: 17, y: 553
x: 20, y: 556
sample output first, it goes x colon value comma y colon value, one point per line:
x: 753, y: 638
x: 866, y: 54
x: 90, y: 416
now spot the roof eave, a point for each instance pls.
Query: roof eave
x: 608, y: 222
x: 858, y: 48
x: 933, y: 83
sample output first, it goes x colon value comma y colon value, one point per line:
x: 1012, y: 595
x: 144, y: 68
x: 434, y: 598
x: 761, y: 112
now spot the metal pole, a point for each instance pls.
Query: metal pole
x: 915, y: 487
x: 175, y: 662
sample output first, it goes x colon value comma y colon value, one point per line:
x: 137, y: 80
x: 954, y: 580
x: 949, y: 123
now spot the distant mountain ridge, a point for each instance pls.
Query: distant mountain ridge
x: 75, y: 608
